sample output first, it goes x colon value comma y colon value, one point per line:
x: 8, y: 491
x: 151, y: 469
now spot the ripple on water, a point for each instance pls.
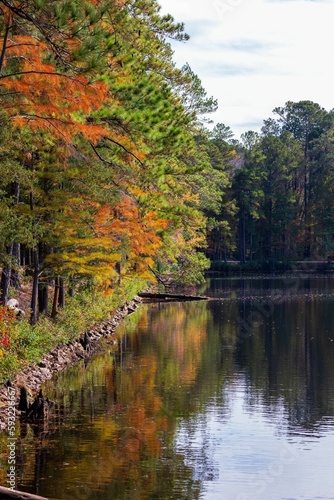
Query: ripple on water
x: 245, y: 451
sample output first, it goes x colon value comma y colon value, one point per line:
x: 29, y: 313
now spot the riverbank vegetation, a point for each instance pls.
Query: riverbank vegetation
x: 23, y: 344
x: 109, y: 178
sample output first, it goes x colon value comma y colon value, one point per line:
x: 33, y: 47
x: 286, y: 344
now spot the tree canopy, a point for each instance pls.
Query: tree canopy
x: 282, y: 187
x: 102, y: 175
x: 107, y: 170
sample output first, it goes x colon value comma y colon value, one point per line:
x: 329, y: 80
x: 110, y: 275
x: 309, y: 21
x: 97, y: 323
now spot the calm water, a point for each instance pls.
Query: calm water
x: 230, y: 399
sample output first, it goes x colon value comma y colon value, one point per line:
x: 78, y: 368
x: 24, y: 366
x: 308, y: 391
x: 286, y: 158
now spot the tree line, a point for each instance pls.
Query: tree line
x: 281, y: 188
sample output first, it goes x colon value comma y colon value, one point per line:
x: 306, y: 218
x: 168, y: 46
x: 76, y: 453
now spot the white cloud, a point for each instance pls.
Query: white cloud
x: 254, y: 55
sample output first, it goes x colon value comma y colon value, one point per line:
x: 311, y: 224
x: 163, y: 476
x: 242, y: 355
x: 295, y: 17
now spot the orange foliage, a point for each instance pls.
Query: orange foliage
x: 136, y: 231
x: 41, y: 97
x: 94, y: 238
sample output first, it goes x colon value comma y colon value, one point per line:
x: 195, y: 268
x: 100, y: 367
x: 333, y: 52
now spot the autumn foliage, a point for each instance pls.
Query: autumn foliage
x: 41, y: 97
x: 7, y: 316
x: 99, y: 163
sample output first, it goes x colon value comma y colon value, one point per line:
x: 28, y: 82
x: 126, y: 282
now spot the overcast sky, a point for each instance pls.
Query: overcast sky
x: 254, y: 55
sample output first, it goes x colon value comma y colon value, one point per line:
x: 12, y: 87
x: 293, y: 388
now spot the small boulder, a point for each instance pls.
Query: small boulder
x: 13, y: 304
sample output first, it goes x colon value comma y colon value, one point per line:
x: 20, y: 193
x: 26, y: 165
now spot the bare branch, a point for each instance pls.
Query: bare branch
x: 68, y: 77
x: 4, y: 43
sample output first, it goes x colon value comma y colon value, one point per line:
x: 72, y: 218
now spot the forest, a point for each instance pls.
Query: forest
x: 111, y: 170
x: 281, y: 188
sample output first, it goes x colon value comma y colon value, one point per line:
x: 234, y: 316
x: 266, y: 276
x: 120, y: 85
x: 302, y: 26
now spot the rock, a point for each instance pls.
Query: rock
x: 13, y: 303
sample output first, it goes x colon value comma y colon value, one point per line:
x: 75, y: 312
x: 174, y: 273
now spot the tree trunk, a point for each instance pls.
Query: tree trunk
x: 15, y: 279
x: 118, y: 270
x: 5, y: 278
x: 242, y: 238
x: 251, y: 242
x: 34, y: 295
x: 23, y: 253
x: 43, y: 297
x: 61, y: 299
x: 55, y: 298
x: 5, y: 282
x: 10, y: 276
x: 16, y: 246
x: 5, y: 40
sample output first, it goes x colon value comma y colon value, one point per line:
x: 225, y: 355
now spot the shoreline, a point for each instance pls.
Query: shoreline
x: 62, y: 356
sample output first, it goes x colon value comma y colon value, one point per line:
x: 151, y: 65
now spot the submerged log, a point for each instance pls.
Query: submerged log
x: 8, y: 494
x: 23, y: 403
x: 169, y: 296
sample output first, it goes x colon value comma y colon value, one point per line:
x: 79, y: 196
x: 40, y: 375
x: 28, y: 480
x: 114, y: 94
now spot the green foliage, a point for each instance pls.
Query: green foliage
x: 108, y: 175
x: 282, y: 188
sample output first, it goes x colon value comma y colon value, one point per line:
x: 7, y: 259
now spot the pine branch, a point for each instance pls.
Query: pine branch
x: 125, y: 149
x: 27, y: 17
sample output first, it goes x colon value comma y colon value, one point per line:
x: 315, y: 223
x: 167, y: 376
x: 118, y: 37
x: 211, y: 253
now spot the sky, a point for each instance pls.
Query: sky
x: 255, y: 55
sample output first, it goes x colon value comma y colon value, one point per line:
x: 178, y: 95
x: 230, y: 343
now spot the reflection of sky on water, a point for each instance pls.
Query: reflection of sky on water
x: 250, y: 453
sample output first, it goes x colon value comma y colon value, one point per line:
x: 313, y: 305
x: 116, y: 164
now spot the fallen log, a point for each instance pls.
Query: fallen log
x: 8, y: 494
x: 169, y: 296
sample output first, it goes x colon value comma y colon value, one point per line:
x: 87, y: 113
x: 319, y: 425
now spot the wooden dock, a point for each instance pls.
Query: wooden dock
x: 168, y: 297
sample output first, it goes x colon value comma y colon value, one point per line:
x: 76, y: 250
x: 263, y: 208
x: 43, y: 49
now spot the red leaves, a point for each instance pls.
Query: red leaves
x: 5, y: 342
x: 6, y: 317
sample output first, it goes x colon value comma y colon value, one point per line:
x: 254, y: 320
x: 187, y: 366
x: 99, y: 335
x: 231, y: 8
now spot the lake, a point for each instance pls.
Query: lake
x: 229, y: 399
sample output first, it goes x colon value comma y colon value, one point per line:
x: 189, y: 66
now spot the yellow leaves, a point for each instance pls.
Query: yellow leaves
x: 93, y: 238
x: 191, y: 198
x: 90, y: 238
x: 136, y: 233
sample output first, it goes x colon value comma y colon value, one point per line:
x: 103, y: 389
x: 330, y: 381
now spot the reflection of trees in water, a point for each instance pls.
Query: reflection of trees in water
x: 113, y: 434
x: 195, y: 441
x: 117, y: 415
x: 286, y: 351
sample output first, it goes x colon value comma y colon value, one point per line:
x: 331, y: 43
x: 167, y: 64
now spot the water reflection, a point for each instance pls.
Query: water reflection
x: 230, y: 399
